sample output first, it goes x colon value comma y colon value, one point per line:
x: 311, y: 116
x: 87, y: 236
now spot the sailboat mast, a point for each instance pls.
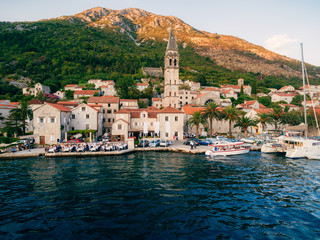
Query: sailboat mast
x: 304, y: 92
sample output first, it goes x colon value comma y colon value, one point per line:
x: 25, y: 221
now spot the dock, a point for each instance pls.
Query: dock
x: 175, y: 147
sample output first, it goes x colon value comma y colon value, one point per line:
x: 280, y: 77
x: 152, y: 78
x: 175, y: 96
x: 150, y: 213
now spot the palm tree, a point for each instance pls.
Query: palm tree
x: 232, y: 114
x: 264, y: 118
x: 276, y: 115
x: 211, y: 112
x: 196, y: 119
x: 22, y: 113
x: 245, y: 122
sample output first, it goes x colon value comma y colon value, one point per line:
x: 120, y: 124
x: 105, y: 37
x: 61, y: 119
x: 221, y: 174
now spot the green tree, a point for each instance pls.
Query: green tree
x: 264, y: 118
x: 22, y: 113
x: 211, y: 112
x: 197, y: 119
x: 69, y: 94
x: 297, y: 100
x: 266, y: 101
x: 245, y: 122
x: 276, y: 115
x: 231, y: 114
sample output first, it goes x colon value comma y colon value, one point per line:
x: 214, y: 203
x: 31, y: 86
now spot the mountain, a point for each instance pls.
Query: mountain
x: 227, y: 51
x: 115, y: 44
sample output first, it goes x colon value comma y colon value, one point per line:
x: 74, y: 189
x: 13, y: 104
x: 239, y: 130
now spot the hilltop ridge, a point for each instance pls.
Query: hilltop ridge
x: 225, y: 50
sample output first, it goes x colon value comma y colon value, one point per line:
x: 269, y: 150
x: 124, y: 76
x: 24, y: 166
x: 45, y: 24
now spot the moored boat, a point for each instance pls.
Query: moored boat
x: 228, y: 149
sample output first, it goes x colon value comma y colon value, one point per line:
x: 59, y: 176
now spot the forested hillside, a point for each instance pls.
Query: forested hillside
x: 60, y: 52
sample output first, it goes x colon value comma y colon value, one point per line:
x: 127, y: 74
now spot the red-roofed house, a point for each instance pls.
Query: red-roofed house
x: 288, y: 88
x: 110, y: 106
x: 248, y: 105
x: 142, y: 86
x: 85, y: 117
x: 186, y: 96
x: 157, y: 102
x: 71, y: 87
x: 311, y: 103
x: 229, y: 93
x: 84, y: 93
x: 5, y: 107
x: 51, y: 123
x: 254, y: 115
x: 129, y: 103
x: 166, y: 123
x: 287, y: 97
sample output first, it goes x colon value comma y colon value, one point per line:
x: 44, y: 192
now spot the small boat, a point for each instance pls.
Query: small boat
x: 228, y: 149
x: 248, y: 140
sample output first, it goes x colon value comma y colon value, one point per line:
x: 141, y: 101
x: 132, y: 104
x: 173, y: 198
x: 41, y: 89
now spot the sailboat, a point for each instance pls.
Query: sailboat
x: 302, y: 147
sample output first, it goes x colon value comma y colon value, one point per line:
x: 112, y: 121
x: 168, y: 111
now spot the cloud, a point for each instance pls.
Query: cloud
x: 282, y: 44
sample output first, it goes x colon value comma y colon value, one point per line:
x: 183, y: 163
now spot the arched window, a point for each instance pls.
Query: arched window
x: 175, y: 62
x: 170, y: 61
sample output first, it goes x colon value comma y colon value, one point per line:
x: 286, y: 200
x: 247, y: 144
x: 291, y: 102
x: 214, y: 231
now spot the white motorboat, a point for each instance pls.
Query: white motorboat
x: 302, y: 148
x: 315, y: 157
x: 227, y: 149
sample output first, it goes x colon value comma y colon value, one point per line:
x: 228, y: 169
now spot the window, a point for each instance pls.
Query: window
x: 167, y: 134
x: 41, y: 120
x: 151, y: 124
x: 52, y: 137
x: 52, y: 120
x: 166, y: 118
x: 170, y: 62
x: 176, y: 134
x: 87, y: 126
x: 176, y: 118
x: 135, y: 124
x: 109, y: 111
x: 72, y: 128
x: 87, y: 116
x: 175, y: 62
x: 109, y: 119
x: 83, y: 109
x: 104, y: 111
x: 143, y: 115
x: 119, y: 126
x: 186, y: 97
x: 109, y: 105
x: 73, y: 116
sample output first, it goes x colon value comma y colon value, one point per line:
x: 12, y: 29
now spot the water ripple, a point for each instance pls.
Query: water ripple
x: 160, y: 196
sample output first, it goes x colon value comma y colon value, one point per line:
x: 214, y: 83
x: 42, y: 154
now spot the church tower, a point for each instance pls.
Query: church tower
x: 171, y: 74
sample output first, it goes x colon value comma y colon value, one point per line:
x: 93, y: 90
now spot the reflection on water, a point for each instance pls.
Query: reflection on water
x: 155, y: 195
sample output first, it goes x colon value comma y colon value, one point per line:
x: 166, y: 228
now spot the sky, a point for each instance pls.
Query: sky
x: 277, y: 25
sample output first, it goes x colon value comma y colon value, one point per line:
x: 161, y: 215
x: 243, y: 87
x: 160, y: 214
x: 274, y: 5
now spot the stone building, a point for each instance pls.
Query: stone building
x: 110, y: 105
x: 171, y: 74
x: 51, y: 123
x: 166, y: 123
x: 86, y: 117
x: 38, y: 88
x: 129, y: 103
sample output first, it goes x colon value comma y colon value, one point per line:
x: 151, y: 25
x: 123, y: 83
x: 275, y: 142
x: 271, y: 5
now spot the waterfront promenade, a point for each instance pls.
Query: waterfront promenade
x: 176, y: 146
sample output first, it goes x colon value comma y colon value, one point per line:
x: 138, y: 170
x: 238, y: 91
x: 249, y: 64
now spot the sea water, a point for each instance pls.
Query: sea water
x: 165, y: 195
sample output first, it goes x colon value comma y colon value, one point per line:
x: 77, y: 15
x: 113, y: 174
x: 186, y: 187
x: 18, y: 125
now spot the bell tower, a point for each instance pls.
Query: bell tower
x: 171, y: 73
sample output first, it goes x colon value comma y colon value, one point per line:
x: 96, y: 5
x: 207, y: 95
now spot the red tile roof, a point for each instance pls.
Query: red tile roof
x: 60, y: 107
x: 9, y: 106
x: 71, y: 85
x: 36, y: 101
x: 262, y: 110
x: 211, y: 89
x: 142, y: 84
x: 190, y: 109
x: 170, y: 110
x: 286, y: 94
x: 122, y: 120
x: 103, y: 99
x: 85, y: 92
x: 128, y: 100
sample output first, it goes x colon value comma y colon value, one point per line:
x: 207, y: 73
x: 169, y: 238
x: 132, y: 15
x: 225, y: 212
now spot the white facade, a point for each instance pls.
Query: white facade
x: 142, y: 86
x: 84, y: 117
x: 50, y: 122
x: 287, y: 97
x: 38, y: 88
x: 129, y: 103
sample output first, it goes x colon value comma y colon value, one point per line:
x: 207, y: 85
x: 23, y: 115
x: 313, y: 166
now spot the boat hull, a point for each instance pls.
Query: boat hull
x: 227, y: 152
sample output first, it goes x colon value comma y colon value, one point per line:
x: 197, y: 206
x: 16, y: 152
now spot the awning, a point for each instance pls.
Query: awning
x: 78, y: 135
x: 28, y: 136
x: 301, y: 127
